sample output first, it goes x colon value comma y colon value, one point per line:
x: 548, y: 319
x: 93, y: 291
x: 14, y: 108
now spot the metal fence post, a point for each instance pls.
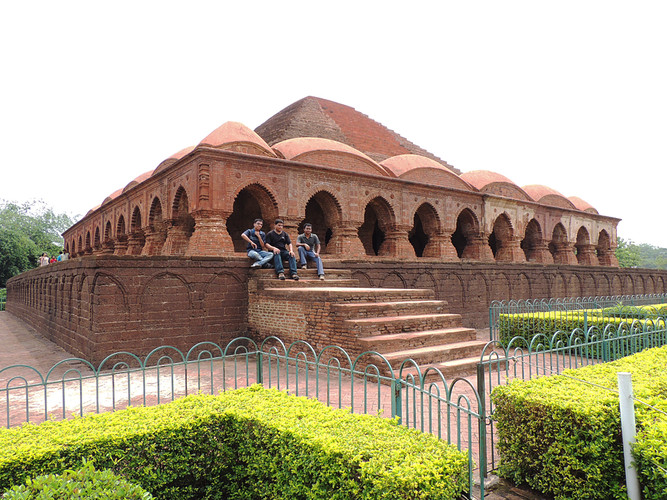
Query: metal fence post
x: 260, y: 368
x: 396, y: 399
x: 628, y: 430
x: 481, y: 391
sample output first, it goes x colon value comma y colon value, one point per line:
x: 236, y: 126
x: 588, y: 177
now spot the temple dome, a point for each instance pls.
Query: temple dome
x: 234, y: 136
x: 173, y: 159
x: 582, y: 205
x: 418, y: 168
x: 327, y: 152
x: 112, y: 196
x: 490, y: 182
x: 548, y: 196
x: 138, y: 180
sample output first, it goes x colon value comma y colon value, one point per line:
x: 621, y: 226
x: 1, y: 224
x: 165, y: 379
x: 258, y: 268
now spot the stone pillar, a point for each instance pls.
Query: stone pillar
x: 477, y: 248
x: 107, y: 248
x: 509, y: 250
x: 540, y: 253
x: 210, y: 236
x: 154, y: 241
x: 396, y: 243
x: 608, y: 258
x: 586, y: 255
x: 120, y: 247
x: 176, y: 242
x: 135, y: 243
x: 564, y: 254
x: 440, y: 246
x: 345, y: 241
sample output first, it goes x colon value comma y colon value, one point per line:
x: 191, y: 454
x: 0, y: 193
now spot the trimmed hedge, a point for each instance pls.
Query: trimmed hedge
x: 248, y: 443
x: 530, y: 325
x: 85, y: 483
x: 561, y: 434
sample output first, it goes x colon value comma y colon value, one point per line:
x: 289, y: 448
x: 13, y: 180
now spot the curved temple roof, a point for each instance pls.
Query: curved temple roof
x: 547, y: 195
x: 230, y: 133
x: 421, y: 169
x: 494, y: 183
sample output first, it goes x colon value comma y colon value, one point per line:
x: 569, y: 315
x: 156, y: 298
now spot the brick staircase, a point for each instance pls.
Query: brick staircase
x: 397, y: 323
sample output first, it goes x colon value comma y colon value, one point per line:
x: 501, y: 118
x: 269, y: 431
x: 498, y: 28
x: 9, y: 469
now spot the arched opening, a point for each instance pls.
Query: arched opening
x: 97, y: 243
x: 80, y: 246
x: 378, y: 219
x: 500, y: 238
x: 558, y: 242
x: 135, y: 225
x: 324, y: 213
x: 583, y: 240
x: 107, y: 232
x: 73, y: 247
x: 155, y: 220
x: 120, y: 227
x: 603, y: 250
x: 532, y: 240
x: 88, y: 245
x: 252, y: 202
x: 425, y: 226
x: 137, y: 239
x: 181, y: 212
x: 466, y: 228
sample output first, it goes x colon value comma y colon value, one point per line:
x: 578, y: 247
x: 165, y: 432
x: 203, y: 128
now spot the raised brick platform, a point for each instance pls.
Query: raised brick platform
x: 397, y: 323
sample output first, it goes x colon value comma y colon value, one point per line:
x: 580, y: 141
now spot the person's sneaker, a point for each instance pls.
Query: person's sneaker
x: 322, y: 277
x: 281, y: 276
x: 267, y: 266
x: 256, y: 265
x: 304, y: 266
x: 295, y: 277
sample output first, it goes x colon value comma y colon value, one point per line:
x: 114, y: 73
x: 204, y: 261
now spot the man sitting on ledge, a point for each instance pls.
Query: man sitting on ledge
x: 278, y: 241
x: 308, y: 246
x: 256, y: 248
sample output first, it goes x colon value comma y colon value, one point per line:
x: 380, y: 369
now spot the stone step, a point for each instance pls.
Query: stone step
x: 391, y: 308
x: 308, y: 282
x: 403, y: 341
x: 347, y: 294
x: 365, y: 327
x: 328, y: 273
x: 437, y: 354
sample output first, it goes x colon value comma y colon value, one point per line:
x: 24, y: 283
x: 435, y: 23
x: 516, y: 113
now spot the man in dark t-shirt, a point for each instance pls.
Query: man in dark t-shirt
x: 256, y: 247
x: 278, y: 242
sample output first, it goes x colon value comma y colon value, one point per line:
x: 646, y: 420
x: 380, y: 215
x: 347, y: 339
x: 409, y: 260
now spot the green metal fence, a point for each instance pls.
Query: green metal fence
x: 569, y: 310
x: 546, y: 355
x: 423, y: 400
x: 3, y: 298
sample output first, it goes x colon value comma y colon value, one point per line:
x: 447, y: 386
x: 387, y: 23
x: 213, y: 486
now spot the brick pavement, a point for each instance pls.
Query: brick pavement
x: 23, y: 345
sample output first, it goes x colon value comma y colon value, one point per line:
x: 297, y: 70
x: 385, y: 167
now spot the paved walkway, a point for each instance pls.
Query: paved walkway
x: 22, y: 345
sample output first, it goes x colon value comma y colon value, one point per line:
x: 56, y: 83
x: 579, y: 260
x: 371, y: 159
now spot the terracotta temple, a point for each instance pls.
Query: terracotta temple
x: 367, y: 191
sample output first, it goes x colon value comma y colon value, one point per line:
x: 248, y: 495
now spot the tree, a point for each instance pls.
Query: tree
x: 26, y: 231
x: 627, y: 253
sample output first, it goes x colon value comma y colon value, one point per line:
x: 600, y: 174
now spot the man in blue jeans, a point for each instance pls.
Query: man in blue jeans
x: 256, y: 248
x: 308, y: 246
x: 278, y: 241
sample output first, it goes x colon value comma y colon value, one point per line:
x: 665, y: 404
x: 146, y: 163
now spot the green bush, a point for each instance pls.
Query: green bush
x: 531, y: 325
x: 249, y: 443
x: 83, y: 484
x: 561, y: 434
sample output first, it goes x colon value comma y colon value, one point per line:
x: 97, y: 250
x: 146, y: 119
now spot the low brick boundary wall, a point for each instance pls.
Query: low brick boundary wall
x: 97, y: 305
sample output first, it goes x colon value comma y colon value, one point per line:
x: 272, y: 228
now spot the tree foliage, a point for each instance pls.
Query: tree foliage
x: 642, y: 255
x: 26, y: 231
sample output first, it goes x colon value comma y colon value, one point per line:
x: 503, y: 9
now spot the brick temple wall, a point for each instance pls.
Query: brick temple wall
x: 97, y: 305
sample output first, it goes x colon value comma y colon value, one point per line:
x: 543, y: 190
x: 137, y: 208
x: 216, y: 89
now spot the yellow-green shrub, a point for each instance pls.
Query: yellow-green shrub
x: 561, y: 434
x: 249, y: 443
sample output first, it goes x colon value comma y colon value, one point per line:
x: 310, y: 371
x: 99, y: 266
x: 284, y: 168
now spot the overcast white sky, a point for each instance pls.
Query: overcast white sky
x: 569, y: 94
